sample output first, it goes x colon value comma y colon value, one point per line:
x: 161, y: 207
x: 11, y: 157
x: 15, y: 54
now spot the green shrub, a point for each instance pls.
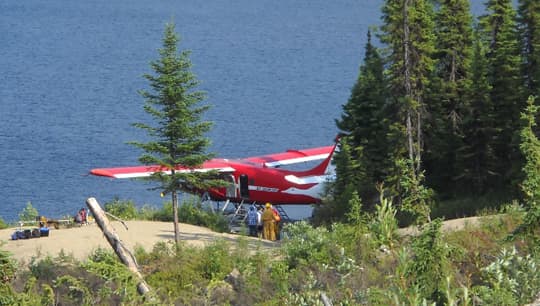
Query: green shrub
x: 279, y: 272
x: 193, y: 213
x: 305, y: 244
x: 3, y: 224
x: 7, y: 295
x: 511, y: 278
x: 73, y: 290
x: 44, y: 269
x: 165, y: 214
x: 189, y: 213
x: 118, y: 281
x: 423, y: 269
x: 8, y: 266
x: 148, y: 212
x: 32, y: 296
x: 430, y: 267
x: 122, y: 209
x: 29, y: 213
x: 355, y: 241
x: 175, y: 273
x: 467, y: 206
x: 215, y: 261
x: 384, y: 224
x: 48, y: 269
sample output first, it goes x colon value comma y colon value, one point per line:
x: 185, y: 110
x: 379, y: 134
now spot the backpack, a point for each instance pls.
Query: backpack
x: 277, y: 217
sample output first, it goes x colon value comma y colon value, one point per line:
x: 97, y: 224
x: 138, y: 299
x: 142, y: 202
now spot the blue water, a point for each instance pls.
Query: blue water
x: 276, y: 74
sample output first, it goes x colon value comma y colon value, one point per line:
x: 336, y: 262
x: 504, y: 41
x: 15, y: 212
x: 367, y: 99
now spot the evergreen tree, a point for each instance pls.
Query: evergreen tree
x: 530, y: 187
x: 178, y: 133
x: 529, y: 31
x: 349, y: 175
x: 416, y: 198
x: 499, y: 27
x: 364, y: 119
x: 448, y: 105
x: 408, y: 31
x: 530, y: 148
x: 476, y: 159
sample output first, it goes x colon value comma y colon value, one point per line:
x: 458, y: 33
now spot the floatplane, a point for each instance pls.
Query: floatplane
x: 256, y: 180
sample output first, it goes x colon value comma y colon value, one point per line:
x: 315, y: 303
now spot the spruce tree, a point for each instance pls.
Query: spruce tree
x: 529, y: 32
x: 476, y: 159
x: 349, y: 175
x: 448, y: 105
x: 364, y: 120
x: 499, y: 27
x: 177, y: 133
x: 408, y: 32
x: 530, y: 148
x: 530, y: 186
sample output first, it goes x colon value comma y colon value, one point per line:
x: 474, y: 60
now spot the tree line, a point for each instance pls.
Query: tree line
x: 435, y: 111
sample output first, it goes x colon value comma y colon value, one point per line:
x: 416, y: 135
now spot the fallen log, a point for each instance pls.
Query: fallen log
x: 123, y: 253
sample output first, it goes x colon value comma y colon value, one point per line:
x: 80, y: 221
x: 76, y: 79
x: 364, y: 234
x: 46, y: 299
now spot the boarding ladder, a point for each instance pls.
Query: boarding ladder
x: 238, y: 218
x: 283, y: 214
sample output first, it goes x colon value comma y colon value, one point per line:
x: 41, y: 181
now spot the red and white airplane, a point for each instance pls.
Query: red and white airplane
x: 257, y: 179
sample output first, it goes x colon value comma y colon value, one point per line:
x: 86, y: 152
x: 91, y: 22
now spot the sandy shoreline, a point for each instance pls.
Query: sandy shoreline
x: 82, y: 241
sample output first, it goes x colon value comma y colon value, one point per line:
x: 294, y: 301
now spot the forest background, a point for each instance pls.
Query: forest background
x: 435, y: 112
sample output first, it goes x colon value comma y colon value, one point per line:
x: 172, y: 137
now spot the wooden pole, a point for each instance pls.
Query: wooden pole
x: 123, y: 253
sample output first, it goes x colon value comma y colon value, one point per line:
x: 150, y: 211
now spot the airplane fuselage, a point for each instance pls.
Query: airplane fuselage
x: 252, y: 183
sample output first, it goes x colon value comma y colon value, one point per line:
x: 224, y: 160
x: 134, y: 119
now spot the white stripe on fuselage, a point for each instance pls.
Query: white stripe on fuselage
x: 314, y: 191
x: 147, y: 174
x: 296, y: 160
x: 262, y: 188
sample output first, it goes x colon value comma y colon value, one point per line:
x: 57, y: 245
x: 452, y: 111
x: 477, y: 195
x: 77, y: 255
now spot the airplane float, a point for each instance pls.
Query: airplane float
x: 256, y: 180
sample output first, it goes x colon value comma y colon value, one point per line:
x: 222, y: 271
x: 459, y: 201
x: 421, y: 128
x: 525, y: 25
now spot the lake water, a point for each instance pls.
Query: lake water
x: 276, y: 74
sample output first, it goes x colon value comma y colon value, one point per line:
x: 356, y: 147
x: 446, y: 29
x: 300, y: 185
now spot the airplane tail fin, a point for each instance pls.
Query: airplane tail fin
x: 326, y: 167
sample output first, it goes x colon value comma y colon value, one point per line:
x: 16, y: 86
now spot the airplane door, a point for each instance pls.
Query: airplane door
x: 244, y: 189
x: 231, y: 188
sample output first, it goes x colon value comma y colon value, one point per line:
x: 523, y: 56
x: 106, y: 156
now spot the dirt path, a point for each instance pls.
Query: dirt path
x: 447, y: 226
x: 82, y: 241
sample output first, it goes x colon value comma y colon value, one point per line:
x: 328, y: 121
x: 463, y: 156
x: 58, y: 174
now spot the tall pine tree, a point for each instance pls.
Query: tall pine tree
x: 476, y: 160
x: 178, y: 131
x: 499, y: 27
x: 349, y: 175
x: 530, y: 186
x: 529, y: 31
x: 448, y: 106
x: 408, y: 31
x: 530, y: 148
x: 364, y: 119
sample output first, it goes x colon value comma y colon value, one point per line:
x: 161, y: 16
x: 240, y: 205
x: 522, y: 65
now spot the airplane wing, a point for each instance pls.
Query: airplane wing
x: 145, y: 171
x: 222, y: 165
x: 291, y: 157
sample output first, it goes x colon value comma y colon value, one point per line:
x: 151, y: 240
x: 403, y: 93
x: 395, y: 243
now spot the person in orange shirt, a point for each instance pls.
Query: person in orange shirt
x: 277, y: 219
x: 268, y: 220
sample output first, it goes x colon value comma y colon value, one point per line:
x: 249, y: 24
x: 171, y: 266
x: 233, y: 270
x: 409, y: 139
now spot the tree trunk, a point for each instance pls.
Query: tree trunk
x: 407, y: 83
x: 418, y: 157
x: 175, y: 218
x: 123, y: 253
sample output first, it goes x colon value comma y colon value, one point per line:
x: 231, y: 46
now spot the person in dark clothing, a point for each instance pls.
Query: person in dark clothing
x: 252, y: 219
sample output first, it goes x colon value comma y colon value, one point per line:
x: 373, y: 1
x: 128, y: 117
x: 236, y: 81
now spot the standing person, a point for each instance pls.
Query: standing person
x: 252, y: 219
x: 259, y: 222
x: 78, y: 217
x: 83, y: 215
x: 277, y: 219
x: 268, y: 223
